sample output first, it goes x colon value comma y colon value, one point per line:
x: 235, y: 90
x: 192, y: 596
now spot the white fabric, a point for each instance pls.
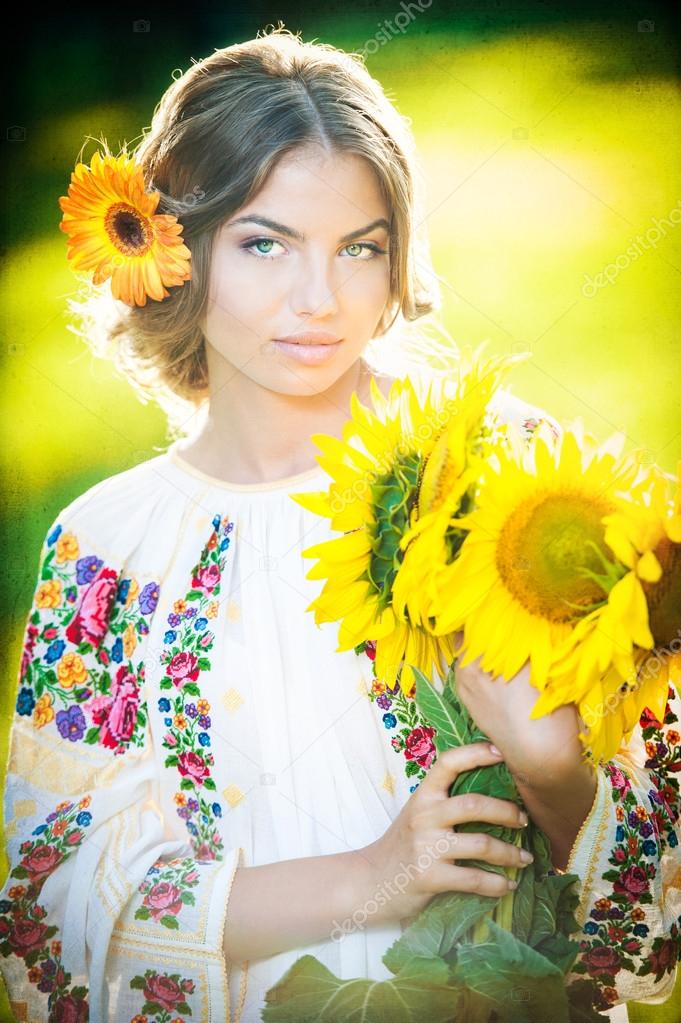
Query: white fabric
x: 303, y: 762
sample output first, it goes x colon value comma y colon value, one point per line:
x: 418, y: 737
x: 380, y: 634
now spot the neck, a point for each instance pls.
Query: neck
x: 254, y: 435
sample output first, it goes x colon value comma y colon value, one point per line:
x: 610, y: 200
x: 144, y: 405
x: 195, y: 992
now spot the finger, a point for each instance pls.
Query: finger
x: 454, y: 761
x: 480, y: 846
x: 450, y: 878
x: 474, y: 806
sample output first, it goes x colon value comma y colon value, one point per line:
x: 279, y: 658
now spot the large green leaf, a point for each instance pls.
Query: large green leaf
x: 524, y: 984
x: 310, y: 993
x: 438, y: 927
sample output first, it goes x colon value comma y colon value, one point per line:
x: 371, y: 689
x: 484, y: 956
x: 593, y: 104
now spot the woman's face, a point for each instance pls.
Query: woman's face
x: 304, y: 274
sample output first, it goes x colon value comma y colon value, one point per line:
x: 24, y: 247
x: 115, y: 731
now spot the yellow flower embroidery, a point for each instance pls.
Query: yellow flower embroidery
x: 49, y: 594
x: 129, y: 640
x: 43, y: 711
x: 71, y: 671
x: 203, y: 706
x: 67, y: 548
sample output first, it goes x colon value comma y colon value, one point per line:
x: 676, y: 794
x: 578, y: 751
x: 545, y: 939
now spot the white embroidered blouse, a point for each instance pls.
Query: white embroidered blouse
x: 180, y: 714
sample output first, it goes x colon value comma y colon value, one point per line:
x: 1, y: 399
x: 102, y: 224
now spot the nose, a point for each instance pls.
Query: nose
x: 314, y: 293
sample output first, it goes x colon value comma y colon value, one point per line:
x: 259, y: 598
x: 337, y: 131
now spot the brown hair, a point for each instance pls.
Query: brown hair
x: 251, y: 103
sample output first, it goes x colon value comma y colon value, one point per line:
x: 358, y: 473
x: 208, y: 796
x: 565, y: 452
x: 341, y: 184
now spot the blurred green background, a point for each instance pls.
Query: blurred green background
x: 547, y: 140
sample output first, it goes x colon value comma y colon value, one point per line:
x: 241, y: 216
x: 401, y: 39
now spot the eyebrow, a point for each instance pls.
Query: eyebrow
x: 273, y: 225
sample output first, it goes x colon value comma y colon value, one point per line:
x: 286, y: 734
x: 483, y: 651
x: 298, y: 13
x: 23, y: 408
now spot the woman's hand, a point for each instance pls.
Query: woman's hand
x: 543, y: 755
x: 412, y: 861
x: 532, y: 749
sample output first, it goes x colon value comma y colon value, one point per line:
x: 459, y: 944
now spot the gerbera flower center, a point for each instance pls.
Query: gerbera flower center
x: 549, y: 550
x: 664, y: 597
x: 128, y: 230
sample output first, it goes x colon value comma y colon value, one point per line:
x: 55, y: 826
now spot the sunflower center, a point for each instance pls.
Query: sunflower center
x: 549, y: 551
x: 128, y: 230
x: 664, y: 596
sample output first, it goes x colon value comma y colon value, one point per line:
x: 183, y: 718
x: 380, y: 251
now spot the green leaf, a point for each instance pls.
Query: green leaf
x: 208, y: 783
x: 92, y: 735
x: 446, y: 918
x: 310, y: 993
x: 142, y: 913
x: 525, y: 985
x: 138, y: 982
x: 438, y: 714
x: 170, y: 922
x: 186, y: 783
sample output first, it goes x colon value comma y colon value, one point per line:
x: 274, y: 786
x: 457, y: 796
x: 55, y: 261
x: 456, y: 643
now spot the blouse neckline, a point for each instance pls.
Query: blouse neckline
x: 280, y: 484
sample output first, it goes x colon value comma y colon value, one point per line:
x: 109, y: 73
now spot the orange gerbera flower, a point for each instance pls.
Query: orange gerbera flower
x: 114, y: 231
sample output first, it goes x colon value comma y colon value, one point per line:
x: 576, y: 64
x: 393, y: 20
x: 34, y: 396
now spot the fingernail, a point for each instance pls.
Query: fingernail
x: 512, y: 885
x: 495, y: 751
x: 523, y: 819
x: 526, y: 856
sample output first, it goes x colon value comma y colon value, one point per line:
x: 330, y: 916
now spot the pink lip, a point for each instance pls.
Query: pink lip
x: 311, y: 337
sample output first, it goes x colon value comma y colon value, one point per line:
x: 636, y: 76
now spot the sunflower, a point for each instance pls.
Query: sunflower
x: 114, y: 231
x: 376, y: 472
x: 534, y: 560
x: 623, y: 656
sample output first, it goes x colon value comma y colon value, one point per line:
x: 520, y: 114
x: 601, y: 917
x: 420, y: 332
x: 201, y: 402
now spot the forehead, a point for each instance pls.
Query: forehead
x: 314, y: 181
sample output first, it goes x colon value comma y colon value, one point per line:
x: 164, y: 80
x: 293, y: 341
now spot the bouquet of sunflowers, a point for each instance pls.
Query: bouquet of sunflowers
x: 557, y: 551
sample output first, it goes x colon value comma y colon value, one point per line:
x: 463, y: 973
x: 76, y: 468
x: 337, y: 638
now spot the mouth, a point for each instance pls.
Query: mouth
x: 313, y: 338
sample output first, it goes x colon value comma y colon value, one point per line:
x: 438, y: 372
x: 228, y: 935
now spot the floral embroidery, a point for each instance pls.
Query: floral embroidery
x: 617, y: 924
x: 23, y: 932
x: 76, y: 668
x: 188, y: 641
x: 165, y: 993
x: 169, y: 891
x: 415, y: 739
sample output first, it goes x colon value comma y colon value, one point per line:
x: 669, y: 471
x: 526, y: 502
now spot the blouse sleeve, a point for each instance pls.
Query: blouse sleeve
x: 628, y: 859
x: 103, y: 915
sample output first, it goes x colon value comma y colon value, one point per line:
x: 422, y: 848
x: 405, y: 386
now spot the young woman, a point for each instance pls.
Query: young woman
x: 199, y: 790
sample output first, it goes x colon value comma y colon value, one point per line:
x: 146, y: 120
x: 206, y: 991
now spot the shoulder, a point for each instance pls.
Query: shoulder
x: 512, y: 409
x: 112, y: 515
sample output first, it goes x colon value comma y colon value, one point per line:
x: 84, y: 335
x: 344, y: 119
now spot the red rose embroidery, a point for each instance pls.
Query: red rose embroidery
x: 184, y: 667
x: 632, y: 883
x: 121, y: 718
x: 193, y: 766
x: 420, y: 746
x: 70, y: 1010
x: 602, y: 962
x: 206, y: 578
x: 41, y: 861
x: 26, y: 935
x: 162, y: 899
x: 648, y: 719
x: 90, y: 622
x: 664, y: 958
x: 163, y: 990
